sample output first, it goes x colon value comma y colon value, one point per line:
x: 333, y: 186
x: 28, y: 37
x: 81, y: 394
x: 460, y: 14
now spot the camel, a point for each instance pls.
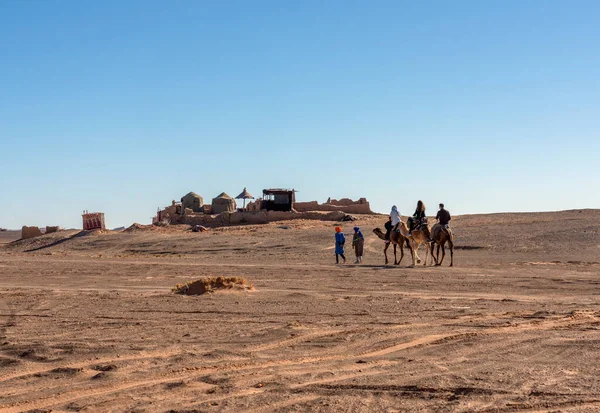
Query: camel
x: 416, y: 238
x: 396, y: 239
x: 442, y: 235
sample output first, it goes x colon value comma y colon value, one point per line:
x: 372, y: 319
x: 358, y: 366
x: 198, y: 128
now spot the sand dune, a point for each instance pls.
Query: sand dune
x: 88, y: 321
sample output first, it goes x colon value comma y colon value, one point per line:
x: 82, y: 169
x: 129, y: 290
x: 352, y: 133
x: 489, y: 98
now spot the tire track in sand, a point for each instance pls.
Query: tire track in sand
x: 89, y: 363
x: 192, y: 372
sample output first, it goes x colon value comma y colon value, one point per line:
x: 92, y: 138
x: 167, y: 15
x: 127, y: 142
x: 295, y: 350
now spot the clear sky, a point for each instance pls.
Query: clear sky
x: 122, y: 106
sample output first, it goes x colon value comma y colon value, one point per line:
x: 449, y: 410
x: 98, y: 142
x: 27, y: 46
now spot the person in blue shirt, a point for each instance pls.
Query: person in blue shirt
x: 340, y: 240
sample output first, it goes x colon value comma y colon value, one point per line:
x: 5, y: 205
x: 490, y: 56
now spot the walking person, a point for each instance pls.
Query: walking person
x: 340, y: 240
x: 358, y: 242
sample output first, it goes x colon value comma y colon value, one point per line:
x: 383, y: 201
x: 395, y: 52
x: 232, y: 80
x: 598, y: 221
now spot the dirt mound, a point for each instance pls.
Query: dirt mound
x: 212, y: 284
x: 139, y: 227
x: 156, y: 228
x: 43, y: 241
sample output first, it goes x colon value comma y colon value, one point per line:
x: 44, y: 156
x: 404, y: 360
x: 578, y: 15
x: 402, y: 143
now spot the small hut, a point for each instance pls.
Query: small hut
x: 244, y: 195
x: 278, y: 199
x: 93, y: 220
x: 192, y: 201
x: 223, y: 203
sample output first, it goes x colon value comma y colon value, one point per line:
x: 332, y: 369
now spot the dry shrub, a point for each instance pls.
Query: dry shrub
x: 212, y: 284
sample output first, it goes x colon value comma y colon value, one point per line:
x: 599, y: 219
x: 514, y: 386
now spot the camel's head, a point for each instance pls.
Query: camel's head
x: 379, y: 233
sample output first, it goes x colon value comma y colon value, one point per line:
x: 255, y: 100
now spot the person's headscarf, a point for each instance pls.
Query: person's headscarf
x: 357, y: 231
x: 395, y: 215
x: 338, y: 229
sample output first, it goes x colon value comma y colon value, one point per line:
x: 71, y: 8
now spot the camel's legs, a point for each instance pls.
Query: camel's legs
x: 385, y: 252
x: 413, y: 253
x: 395, y: 256
x: 451, y: 245
x: 437, y: 258
x: 401, y: 252
x: 426, y: 254
x: 443, y: 252
x: 433, y: 259
x: 416, y: 248
x: 430, y: 246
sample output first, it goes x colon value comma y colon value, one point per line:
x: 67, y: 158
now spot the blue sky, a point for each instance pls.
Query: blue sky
x: 122, y: 106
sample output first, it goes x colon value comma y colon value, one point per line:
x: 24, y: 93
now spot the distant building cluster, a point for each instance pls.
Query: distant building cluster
x: 193, y: 211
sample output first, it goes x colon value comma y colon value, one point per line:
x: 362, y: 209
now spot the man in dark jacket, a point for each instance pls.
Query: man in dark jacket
x: 443, y: 216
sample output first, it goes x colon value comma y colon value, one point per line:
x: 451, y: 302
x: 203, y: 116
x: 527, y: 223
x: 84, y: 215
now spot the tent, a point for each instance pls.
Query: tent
x: 223, y: 203
x: 192, y: 201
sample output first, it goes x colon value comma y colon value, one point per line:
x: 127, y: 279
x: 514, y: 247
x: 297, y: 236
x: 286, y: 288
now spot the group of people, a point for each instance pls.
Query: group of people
x: 416, y: 221
x: 358, y: 243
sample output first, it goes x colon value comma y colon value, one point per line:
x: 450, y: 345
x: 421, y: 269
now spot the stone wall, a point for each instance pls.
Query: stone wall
x: 30, y: 232
x: 254, y: 218
x: 332, y: 210
x: 169, y: 214
x: 345, y: 205
x: 254, y: 205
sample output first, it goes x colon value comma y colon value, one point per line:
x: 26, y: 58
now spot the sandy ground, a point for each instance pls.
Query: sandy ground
x: 88, y: 321
x: 9, y: 236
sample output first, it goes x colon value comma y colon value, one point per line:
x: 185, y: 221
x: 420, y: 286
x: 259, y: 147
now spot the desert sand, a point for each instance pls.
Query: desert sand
x: 88, y: 321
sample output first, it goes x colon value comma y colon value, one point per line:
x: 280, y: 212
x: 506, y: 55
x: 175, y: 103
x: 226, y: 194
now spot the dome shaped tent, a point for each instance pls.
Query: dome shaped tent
x: 223, y: 203
x: 192, y: 201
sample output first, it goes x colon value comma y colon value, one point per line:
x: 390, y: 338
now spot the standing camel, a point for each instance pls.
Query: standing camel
x: 416, y: 238
x: 396, y: 239
x: 442, y: 235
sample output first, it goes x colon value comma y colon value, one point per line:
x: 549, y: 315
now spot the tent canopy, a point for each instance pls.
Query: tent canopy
x: 222, y: 195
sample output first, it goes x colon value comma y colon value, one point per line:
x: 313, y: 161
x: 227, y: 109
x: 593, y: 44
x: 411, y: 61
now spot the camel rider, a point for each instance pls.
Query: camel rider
x: 417, y: 218
x: 443, y: 218
x: 395, y: 217
x: 388, y: 229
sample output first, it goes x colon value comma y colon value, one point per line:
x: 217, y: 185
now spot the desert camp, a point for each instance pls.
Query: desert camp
x: 290, y: 207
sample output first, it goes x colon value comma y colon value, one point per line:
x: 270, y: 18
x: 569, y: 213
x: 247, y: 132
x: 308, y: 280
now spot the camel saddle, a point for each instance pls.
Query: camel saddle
x: 421, y: 225
x: 439, y: 227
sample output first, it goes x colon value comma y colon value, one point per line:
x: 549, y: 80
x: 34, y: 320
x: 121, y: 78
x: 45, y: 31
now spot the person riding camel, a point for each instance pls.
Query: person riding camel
x: 388, y: 229
x: 443, y: 218
x: 417, y: 219
x: 395, y: 217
